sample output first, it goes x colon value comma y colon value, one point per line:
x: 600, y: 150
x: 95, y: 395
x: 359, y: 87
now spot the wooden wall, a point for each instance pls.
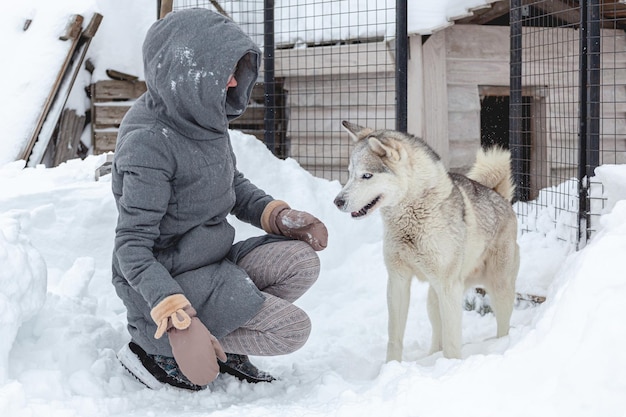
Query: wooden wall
x: 328, y: 84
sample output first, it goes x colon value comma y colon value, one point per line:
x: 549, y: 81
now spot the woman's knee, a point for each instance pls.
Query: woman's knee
x: 294, y: 335
x: 305, y: 262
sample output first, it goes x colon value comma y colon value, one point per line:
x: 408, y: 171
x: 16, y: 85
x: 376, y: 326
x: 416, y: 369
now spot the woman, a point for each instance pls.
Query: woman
x: 190, y: 293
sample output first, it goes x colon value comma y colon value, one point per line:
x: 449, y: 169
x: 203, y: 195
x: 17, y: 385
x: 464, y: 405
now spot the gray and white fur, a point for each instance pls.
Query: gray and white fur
x: 453, y: 231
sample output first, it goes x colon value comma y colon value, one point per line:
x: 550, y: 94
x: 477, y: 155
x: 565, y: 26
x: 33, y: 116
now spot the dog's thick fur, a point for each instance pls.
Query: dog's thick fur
x: 452, y: 231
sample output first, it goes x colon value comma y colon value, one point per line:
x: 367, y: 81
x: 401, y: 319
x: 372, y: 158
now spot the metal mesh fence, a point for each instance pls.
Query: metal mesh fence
x: 333, y: 61
x: 605, y: 129
x: 568, y: 87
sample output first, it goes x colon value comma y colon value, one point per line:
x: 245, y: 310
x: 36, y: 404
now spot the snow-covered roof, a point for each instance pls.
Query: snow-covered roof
x: 315, y: 22
x: 426, y: 16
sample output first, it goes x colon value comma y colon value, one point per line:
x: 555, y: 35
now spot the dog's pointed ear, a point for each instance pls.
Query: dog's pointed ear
x: 356, y: 132
x: 383, y: 150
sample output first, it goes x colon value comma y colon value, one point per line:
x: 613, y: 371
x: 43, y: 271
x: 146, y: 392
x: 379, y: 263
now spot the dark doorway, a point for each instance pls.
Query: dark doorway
x: 494, y: 131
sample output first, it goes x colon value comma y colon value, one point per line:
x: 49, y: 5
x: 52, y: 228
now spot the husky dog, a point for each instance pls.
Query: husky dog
x: 450, y: 230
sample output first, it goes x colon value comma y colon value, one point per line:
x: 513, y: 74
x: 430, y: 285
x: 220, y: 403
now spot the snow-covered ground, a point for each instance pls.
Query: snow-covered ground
x: 61, y: 322
x: 57, y: 356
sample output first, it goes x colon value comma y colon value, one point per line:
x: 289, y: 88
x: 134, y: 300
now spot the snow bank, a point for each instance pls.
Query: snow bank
x: 23, y: 279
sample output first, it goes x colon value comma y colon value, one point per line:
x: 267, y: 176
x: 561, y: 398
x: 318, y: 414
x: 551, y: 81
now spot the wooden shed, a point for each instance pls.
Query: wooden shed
x: 458, y: 90
x: 460, y: 75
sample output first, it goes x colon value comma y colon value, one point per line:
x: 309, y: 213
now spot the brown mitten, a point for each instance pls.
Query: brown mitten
x: 194, y: 347
x: 280, y: 219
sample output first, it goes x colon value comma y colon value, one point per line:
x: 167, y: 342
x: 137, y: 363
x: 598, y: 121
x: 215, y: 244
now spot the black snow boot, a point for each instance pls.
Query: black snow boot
x: 241, y: 368
x: 154, y: 370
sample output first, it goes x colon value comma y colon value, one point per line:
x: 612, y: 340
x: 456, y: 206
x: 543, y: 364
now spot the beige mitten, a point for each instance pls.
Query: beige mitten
x: 195, y: 349
x: 278, y: 218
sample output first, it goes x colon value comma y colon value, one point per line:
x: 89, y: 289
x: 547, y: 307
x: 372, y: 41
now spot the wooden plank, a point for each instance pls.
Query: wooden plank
x: 116, y: 90
x: 71, y: 32
x: 478, y: 42
x: 120, y: 76
x: 435, y: 86
x: 478, y: 71
x: 63, y: 92
x: 219, y: 8
x: 105, y: 168
x: 463, y: 97
x: 73, y: 28
x: 464, y: 126
x: 305, y: 121
x: 415, y: 87
x: 463, y: 154
x: 104, y: 141
x: 166, y: 7
x: 358, y: 91
x: 334, y: 60
x: 71, y: 128
x: 92, y: 27
x: 108, y: 116
x: 486, y: 14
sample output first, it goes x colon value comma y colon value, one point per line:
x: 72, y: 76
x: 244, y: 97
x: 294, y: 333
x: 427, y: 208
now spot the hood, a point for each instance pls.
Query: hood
x: 188, y: 57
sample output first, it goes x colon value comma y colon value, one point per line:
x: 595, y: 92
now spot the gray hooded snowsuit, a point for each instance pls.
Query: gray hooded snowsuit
x: 175, y: 181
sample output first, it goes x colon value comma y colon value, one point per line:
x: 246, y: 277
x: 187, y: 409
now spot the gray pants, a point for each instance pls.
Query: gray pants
x: 283, y: 271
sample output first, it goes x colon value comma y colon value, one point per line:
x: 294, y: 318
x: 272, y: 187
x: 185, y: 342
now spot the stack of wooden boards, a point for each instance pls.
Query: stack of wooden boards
x: 110, y: 100
x: 56, y: 135
x: 48, y: 123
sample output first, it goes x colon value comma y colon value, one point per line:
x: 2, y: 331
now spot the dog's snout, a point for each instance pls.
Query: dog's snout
x: 340, y: 202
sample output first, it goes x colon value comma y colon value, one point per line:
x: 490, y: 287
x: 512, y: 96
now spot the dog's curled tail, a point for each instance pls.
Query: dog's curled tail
x: 493, y: 169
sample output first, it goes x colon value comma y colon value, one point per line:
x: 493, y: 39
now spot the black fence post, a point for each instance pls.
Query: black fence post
x: 593, y: 86
x: 269, y: 76
x: 583, y: 202
x: 589, y: 119
x: 515, y: 99
x: 402, y: 55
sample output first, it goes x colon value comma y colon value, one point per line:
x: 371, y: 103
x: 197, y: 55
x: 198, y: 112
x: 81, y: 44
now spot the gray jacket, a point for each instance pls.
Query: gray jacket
x: 174, y: 178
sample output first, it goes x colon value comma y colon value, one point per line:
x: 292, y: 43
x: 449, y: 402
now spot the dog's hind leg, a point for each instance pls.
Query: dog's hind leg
x: 502, y: 300
x: 398, y: 296
x: 500, y: 285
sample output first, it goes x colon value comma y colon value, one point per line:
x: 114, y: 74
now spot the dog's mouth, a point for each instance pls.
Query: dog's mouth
x: 365, y: 209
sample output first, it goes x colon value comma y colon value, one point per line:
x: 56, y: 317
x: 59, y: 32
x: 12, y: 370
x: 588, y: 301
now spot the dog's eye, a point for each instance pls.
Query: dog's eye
x: 367, y: 176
